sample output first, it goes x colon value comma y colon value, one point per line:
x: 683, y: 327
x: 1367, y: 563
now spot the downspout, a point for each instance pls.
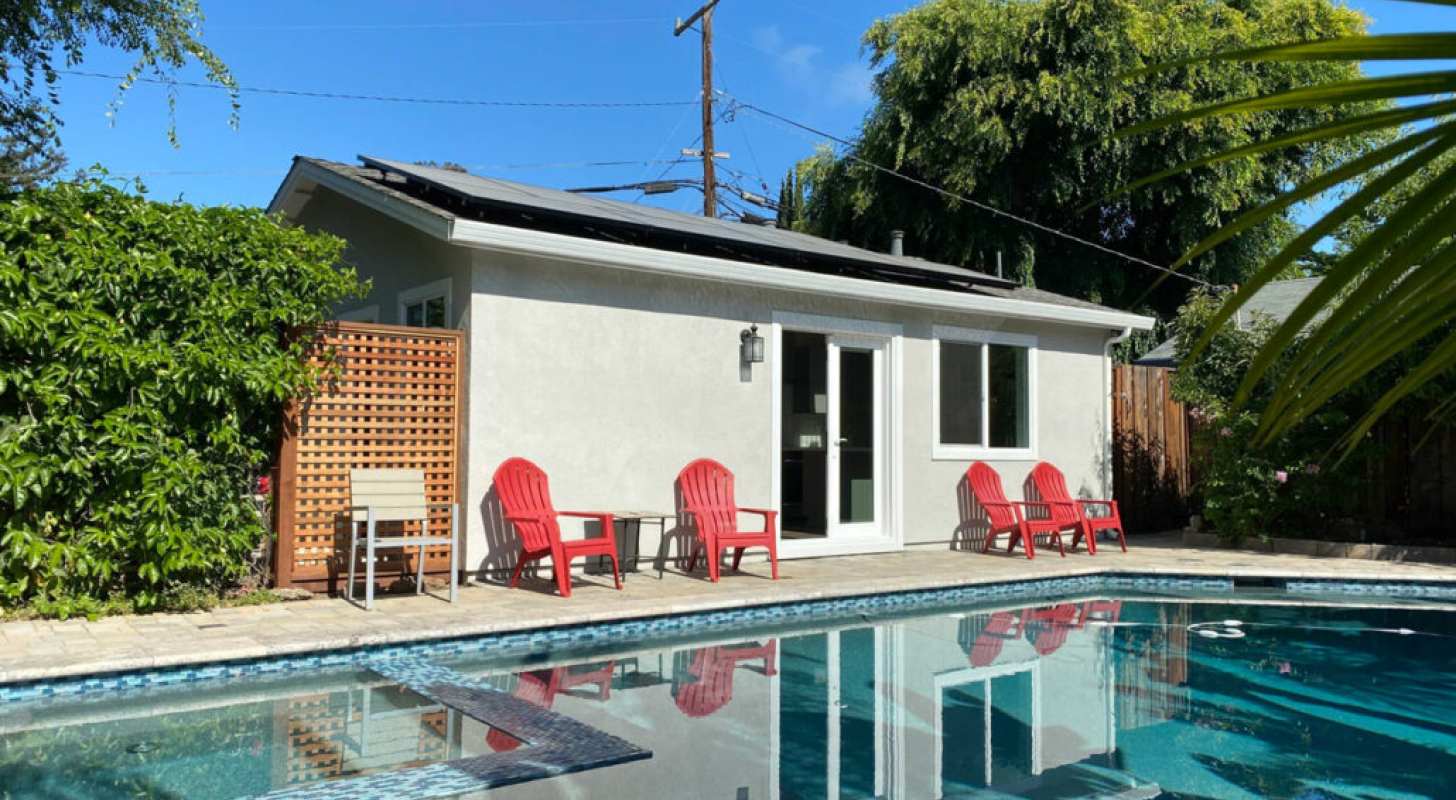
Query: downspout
x: 1114, y: 339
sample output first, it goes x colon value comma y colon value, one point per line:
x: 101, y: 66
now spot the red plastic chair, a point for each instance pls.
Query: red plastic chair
x: 1108, y: 611
x: 1006, y: 516
x: 1047, y: 628
x: 712, y: 670
x: 526, y: 500
x: 1053, y: 488
x: 707, y: 489
x: 1003, y: 626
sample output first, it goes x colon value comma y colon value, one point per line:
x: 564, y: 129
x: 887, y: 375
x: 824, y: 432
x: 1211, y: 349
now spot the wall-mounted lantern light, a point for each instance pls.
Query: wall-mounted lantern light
x: 751, y: 347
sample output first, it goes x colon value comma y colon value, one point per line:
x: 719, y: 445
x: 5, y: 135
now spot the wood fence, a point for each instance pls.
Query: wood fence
x: 393, y: 403
x: 1152, y: 474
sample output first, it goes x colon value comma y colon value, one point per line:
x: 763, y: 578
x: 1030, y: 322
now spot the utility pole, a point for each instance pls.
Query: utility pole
x: 710, y: 190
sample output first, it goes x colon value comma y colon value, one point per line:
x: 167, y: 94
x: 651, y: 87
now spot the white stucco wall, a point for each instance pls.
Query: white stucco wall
x: 613, y: 380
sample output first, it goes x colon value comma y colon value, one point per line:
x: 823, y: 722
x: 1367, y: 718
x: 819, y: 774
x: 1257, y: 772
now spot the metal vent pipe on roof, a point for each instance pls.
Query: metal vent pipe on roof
x: 897, y: 243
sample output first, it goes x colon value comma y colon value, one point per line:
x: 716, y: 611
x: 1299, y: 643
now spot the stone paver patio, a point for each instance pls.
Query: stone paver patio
x: 32, y: 650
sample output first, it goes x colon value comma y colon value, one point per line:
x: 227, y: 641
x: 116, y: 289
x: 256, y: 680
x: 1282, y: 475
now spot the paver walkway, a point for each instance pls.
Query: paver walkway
x: 45, y: 649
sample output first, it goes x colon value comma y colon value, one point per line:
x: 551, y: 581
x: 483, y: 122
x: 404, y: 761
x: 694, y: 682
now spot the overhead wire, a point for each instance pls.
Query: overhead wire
x: 769, y: 118
x: 444, y: 101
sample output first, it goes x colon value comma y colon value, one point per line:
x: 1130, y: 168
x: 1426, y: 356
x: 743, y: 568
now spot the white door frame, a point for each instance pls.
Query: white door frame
x: 891, y: 393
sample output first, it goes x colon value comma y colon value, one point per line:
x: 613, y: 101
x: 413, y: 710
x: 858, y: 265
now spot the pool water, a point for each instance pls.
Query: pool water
x: 1087, y: 697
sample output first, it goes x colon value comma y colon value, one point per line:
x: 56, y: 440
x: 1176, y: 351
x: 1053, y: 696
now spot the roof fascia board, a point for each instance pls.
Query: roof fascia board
x: 507, y: 239
x: 369, y: 196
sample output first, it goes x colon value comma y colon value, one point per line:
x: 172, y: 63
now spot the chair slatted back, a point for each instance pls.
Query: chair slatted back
x: 1051, y: 484
x: 712, y: 687
x: 707, y: 488
x: 524, y: 492
x: 394, y: 494
x: 986, y: 484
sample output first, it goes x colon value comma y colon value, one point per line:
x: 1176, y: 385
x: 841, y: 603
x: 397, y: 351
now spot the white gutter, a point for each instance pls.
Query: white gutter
x: 521, y: 241
x: 1113, y: 340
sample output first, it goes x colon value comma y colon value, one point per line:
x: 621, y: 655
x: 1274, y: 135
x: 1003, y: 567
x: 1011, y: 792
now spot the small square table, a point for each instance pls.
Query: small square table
x: 631, y: 523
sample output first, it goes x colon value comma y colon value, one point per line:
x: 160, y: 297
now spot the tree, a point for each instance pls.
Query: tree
x: 1389, y: 300
x: 1014, y: 104
x: 146, y: 351
x: 40, y: 37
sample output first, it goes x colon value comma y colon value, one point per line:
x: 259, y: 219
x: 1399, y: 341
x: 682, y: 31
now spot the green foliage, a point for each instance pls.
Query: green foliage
x: 1290, y: 488
x: 145, y: 357
x: 38, y: 37
x: 1015, y: 103
x: 1382, y: 314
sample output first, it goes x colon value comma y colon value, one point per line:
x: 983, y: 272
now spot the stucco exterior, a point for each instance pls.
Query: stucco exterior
x: 612, y: 380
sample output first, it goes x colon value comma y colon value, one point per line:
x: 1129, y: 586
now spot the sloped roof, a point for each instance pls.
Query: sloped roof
x: 1278, y: 299
x: 450, y: 195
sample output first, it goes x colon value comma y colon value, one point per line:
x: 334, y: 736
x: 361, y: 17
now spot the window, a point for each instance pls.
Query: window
x: 983, y: 394
x: 426, y: 306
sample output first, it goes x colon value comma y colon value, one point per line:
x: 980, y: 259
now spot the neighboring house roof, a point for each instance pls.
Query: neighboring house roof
x: 480, y: 212
x: 1277, y: 299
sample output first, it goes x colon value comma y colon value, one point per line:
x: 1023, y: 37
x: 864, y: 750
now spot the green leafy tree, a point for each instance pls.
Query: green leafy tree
x: 39, y: 37
x: 1387, y: 302
x: 146, y: 350
x: 1015, y: 104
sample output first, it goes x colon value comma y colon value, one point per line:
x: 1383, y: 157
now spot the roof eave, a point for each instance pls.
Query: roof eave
x: 304, y: 171
x: 508, y: 239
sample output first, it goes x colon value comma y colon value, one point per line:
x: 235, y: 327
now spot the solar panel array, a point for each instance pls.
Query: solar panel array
x: 752, y: 239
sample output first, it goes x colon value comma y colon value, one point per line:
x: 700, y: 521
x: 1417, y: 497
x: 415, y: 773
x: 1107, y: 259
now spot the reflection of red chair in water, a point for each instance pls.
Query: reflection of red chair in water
x: 1047, y: 628
x: 1002, y: 626
x: 712, y: 670
x: 1101, y: 610
x: 540, y: 688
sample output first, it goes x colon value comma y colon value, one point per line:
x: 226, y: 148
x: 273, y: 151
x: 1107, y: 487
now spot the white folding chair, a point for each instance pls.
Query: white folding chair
x: 395, y: 495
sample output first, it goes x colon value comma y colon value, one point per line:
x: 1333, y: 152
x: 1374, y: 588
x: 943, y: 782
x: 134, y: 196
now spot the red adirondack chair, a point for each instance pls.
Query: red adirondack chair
x: 1105, y: 610
x: 526, y: 500
x: 1006, y: 516
x: 1002, y: 627
x: 540, y: 688
x: 1089, y: 516
x: 1047, y: 628
x: 707, y: 489
x: 712, y: 671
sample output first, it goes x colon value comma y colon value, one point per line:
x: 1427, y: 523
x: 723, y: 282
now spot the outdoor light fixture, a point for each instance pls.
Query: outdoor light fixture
x: 751, y: 347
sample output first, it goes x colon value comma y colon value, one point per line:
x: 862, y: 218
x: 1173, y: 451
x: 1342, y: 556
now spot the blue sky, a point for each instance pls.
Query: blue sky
x: 799, y: 57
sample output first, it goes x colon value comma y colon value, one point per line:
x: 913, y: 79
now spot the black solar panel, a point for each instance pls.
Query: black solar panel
x: 749, y: 240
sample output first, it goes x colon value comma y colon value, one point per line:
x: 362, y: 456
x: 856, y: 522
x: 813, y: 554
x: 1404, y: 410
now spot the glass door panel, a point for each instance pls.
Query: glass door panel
x: 856, y: 436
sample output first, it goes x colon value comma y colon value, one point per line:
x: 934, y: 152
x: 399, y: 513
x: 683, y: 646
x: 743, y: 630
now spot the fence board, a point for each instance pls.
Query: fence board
x: 394, y: 403
x: 1151, y: 461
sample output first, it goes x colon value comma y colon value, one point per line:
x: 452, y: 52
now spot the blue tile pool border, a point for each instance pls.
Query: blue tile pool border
x: 652, y: 629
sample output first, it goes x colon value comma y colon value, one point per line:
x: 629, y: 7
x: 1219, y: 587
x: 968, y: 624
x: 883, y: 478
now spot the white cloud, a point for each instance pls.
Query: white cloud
x: 798, y: 65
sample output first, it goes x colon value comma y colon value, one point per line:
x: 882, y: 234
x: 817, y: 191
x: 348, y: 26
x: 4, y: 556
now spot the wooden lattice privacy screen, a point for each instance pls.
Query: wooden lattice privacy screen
x: 395, y: 404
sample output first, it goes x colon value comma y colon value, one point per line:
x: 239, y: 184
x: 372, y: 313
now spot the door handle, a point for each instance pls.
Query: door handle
x: 841, y: 442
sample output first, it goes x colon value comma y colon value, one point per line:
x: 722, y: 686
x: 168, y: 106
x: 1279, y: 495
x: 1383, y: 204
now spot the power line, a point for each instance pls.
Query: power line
x: 422, y: 25
x: 378, y: 98
x: 766, y: 115
x: 142, y: 173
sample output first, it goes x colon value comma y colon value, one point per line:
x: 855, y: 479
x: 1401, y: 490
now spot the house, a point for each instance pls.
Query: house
x: 612, y: 343
x: 1276, y: 299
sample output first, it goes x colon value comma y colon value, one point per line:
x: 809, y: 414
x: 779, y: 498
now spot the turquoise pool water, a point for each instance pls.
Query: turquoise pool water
x: 1083, y: 697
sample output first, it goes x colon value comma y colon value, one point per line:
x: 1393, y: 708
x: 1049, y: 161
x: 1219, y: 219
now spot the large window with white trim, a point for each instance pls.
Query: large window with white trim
x: 984, y: 394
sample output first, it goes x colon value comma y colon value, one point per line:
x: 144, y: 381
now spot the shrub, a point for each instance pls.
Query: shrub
x: 1295, y: 484
x: 145, y: 355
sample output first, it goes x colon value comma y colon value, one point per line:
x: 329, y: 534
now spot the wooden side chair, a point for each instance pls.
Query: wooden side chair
x: 396, y: 495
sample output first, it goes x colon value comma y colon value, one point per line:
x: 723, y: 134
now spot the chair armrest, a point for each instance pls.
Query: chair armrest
x: 1030, y: 503
x: 520, y: 518
x: 765, y: 512
x: 1111, y: 504
x: 602, y: 515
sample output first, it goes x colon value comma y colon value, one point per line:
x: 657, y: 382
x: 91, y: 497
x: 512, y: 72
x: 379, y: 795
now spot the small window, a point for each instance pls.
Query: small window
x: 983, y: 394
x: 426, y: 306
x: 428, y: 313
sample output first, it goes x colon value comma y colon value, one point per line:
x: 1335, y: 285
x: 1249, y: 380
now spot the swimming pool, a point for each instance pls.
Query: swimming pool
x: 1082, y: 695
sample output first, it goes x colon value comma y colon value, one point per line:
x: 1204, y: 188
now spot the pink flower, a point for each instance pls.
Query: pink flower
x: 1226, y: 432
x: 1281, y: 476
